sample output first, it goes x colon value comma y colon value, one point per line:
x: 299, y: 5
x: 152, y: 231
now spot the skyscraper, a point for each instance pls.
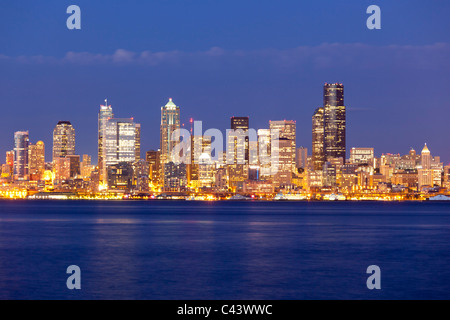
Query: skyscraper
x: 286, y: 159
x: 425, y: 172
x: 237, y: 150
x: 36, y: 156
x: 74, y: 165
x: 119, y: 141
x: 334, y: 120
x: 170, y: 121
x: 301, y: 158
x: 104, y: 114
x: 137, y: 140
x: 287, y: 130
x: 264, y: 153
x: 85, y: 167
x: 318, y: 152
x: 63, y: 140
x: 240, y: 123
x: 21, y: 142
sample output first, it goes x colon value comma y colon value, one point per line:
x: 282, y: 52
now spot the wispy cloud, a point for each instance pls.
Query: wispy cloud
x: 327, y: 55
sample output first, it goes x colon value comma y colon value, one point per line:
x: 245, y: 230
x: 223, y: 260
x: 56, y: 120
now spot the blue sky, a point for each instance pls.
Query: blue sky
x: 264, y: 59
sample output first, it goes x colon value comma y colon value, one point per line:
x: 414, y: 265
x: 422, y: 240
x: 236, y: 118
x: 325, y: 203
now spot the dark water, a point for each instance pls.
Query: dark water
x: 224, y: 250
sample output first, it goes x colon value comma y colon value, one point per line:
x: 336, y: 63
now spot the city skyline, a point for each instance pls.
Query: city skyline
x: 110, y: 115
x: 267, y: 64
x: 261, y: 161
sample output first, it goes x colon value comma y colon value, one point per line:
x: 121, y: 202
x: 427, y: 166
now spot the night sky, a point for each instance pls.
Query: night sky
x: 264, y: 59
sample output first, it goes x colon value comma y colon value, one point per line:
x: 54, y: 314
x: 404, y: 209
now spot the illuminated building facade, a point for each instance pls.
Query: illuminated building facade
x: 153, y: 158
x: 301, y: 158
x: 334, y: 118
x: 36, y: 156
x: 137, y: 141
x: 120, y: 176
x: 21, y: 143
x: 361, y: 155
x: 63, y: 140
x: 264, y: 153
x: 238, y: 148
x: 286, y: 130
x: 74, y: 166
x: 425, y: 172
x: 318, y: 151
x: 170, y: 121
x: 282, y: 176
x: 104, y: 115
x: 175, y: 176
x: 119, y: 141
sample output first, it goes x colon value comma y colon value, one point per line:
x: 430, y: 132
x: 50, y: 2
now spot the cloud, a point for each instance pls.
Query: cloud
x: 326, y: 55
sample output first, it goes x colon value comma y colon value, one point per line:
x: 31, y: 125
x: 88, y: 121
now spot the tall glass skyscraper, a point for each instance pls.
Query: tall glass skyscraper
x: 119, y: 141
x: 170, y: 121
x: 63, y: 140
x: 334, y: 120
x: 104, y: 114
x: 318, y: 152
x: 21, y: 142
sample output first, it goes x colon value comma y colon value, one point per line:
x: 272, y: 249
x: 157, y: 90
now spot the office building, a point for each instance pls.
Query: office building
x: 170, y: 121
x: 361, y: 155
x: 21, y: 143
x: 334, y: 118
x: 36, y: 156
x: 153, y: 158
x: 63, y: 140
x: 104, y: 115
x: 119, y: 141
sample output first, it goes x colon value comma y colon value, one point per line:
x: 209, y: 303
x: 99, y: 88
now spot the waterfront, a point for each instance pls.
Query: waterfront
x: 224, y: 250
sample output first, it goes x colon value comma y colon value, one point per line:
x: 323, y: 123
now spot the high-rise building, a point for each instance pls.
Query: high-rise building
x: 334, y: 118
x: 240, y: 123
x: 74, y: 165
x: 21, y: 142
x: 264, y: 153
x: 153, y: 158
x: 282, y: 169
x: 238, y: 150
x: 287, y: 130
x: 10, y: 158
x: 301, y: 158
x: 170, y: 121
x: 85, y: 167
x: 36, y: 158
x: 104, y: 114
x: 63, y: 140
x: 119, y: 141
x: 140, y: 176
x: 61, y: 168
x: 8, y: 167
x: 425, y: 172
x: 205, y: 171
x: 199, y: 145
x: 318, y: 133
x: 137, y: 141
